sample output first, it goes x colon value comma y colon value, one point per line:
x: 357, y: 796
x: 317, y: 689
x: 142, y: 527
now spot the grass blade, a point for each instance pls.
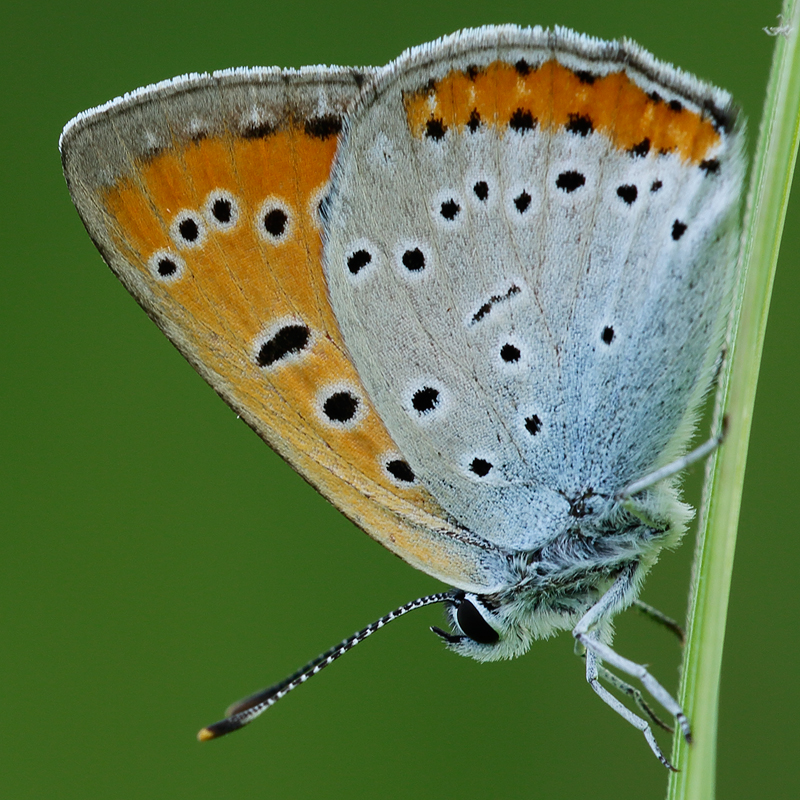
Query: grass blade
x: 768, y: 196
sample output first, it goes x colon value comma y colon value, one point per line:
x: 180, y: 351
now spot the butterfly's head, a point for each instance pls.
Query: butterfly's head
x: 483, y: 628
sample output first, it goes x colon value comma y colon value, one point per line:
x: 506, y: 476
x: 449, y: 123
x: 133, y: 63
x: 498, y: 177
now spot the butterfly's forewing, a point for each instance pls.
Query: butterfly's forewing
x: 552, y: 280
x: 203, y: 196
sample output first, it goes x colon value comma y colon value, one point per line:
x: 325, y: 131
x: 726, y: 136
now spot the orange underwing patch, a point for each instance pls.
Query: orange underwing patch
x: 236, y: 283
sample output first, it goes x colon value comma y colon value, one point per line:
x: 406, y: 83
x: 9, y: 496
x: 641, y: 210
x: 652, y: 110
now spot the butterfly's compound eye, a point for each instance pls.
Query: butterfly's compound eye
x: 473, y: 624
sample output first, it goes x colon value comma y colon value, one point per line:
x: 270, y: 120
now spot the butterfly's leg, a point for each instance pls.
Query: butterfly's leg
x: 661, y: 619
x: 625, y: 713
x: 673, y: 468
x: 584, y: 632
x: 620, y: 685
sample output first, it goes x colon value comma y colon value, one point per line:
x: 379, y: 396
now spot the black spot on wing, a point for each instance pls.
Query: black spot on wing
x: 481, y: 189
x: 323, y: 127
x: 341, y: 406
x: 435, y: 129
x: 533, y: 424
x: 425, y: 399
x: 640, y: 150
x: 414, y: 260
x: 449, y: 210
x: 358, y: 260
x: 166, y: 267
x: 474, y: 122
x: 570, y: 181
x: 522, y: 121
x: 579, y: 125
x: 275, y: 222
x: 481, y: 467
x: 288, y: 340
x: 188, y: 229
x: 493, y: 301
x: 400, y: 470
x: 257, y: 130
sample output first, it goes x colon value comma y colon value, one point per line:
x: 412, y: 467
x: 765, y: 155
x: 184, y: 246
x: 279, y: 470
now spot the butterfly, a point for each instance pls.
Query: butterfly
x: 475, y: 297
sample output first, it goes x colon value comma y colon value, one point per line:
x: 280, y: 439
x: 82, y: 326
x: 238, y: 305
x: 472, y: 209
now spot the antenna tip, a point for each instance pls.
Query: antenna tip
x: 221, y: 728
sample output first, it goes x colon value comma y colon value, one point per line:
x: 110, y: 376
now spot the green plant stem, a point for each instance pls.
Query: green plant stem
x: 766, y: 208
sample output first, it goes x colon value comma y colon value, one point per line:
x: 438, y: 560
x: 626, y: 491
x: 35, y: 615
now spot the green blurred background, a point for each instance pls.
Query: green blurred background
x: 159, y: 562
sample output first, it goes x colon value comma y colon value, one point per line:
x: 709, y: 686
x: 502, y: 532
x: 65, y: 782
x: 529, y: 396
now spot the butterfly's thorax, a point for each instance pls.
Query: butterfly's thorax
x: 551, y: 587
x: 560, y: 580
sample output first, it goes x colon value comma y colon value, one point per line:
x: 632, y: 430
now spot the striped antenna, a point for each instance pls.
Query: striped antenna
x: 239, y: 714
